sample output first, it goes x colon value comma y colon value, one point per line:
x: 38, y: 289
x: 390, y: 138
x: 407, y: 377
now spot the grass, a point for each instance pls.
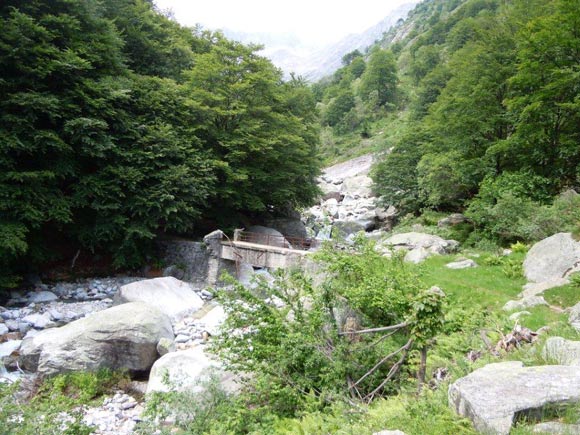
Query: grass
x: 485, y: 287
x: 564, y: 296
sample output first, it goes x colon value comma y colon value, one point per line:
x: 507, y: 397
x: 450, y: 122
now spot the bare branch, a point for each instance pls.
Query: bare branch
x: 392, y: 372
x: 381, y: 362
x: 384, y: 328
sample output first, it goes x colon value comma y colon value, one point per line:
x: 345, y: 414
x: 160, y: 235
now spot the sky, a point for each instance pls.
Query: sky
x: 314, y: 21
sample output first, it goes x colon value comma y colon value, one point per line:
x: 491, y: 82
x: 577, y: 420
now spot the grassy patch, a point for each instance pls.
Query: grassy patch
x: 564, y: 296
x: 485, y: 286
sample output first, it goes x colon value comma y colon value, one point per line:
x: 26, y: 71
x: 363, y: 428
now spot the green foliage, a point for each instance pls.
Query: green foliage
x: 519, y: 247
x: 504, y: 210
x: 491, y: 90
x: 378, y: 86
x: 117, y: 124
x: 57, y: 398
x: 364, y: 290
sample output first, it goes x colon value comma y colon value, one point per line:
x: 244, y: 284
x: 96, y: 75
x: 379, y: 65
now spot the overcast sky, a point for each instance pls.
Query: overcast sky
x: 316, y: 21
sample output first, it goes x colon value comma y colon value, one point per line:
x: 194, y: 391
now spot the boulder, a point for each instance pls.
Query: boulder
x: 492, y: 396
x: 343, y: 229
x: 536, y: 288
x: 463, y: 264
x: 291, y: 228
x: 333, y: 194
x: 169, y: 295
x: 419, y: 245
x: 174, y: 271
x: 413, y: 240
x: 556, y: 428
x: 39, y: 321
x: 165, y: 346
x: 574, y: 318
x: 555, y: 257
x: 331, y: 207
x: 213, y: 320
x: 185, y: 370
x: 358, y: 187
x: 3, y: 329
x: 386, y: 217
x: 418, y: 255
x: 524, y: 303
x: 562, y: 351
x: 266, y: 236
x: 42, y: 296
x: 8, y: 347
x: 452, y: 220
x: 121, y: 337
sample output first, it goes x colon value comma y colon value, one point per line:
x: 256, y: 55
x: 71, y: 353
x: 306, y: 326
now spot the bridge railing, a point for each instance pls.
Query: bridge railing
x: 302, y: 244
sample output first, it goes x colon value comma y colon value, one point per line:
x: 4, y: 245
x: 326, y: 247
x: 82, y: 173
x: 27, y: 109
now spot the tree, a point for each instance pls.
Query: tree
x: 251, y: 123
x: 379, y: 81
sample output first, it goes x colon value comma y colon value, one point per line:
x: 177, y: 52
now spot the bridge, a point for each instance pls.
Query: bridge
x: 265, y: 250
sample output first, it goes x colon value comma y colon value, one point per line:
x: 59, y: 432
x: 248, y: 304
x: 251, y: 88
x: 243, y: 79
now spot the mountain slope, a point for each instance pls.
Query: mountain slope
x: 292, y: 55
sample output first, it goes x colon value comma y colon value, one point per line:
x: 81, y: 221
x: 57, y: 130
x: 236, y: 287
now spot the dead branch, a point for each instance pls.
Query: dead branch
x: 382, y: 361
x: 394, y: 369
x: 369, y: 331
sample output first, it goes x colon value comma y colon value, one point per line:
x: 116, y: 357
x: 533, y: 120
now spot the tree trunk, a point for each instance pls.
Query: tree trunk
x: 422, y: 368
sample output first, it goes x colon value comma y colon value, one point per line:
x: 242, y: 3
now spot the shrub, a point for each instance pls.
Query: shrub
x: 301, y: 338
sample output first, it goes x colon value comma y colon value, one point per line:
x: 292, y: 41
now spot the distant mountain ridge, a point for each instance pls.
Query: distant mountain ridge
x: 292, y: 55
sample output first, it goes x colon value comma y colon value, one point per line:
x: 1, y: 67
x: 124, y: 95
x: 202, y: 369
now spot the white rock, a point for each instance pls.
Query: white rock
x: 463, y: 264
x: 42, y: 296
x: 556, y: 428
x: 213, y: 320
x: 122, y: 337
x: 185, y: 370
x: 574, y: 317
x: 417, y: 255
x: 562, y: 351
x: 39, y: 321
x: 169, y: 295
x: 493, y: 395
x: 8, y: 347
x: 3, y: 329
x: 533, y: 288
x: 522, y: 304
x: 557, y: 256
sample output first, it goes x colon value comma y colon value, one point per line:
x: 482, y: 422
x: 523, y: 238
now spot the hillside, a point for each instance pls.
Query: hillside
x: 313, y: 63
x: 471, y: 109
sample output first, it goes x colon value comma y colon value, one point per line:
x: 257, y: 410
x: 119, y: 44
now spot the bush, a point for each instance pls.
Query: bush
x: 300, y: 339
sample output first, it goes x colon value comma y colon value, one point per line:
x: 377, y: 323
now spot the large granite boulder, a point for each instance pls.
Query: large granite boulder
x: 555, y: 257
x: 562, y: 351
x: 419, y: 245
x: 121, y: 337
x: 169, y: 295
x: 359, y: 186
x: 266, y: 236
x: 492, y: 396
x: 186, y: 370
x: 290, y: 226
x: 574, y: 318
x: 522, y: 304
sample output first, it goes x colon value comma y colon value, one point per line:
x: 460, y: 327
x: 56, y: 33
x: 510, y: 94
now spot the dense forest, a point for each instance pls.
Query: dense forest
x: 475, y: 107
x: 117, y: 124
